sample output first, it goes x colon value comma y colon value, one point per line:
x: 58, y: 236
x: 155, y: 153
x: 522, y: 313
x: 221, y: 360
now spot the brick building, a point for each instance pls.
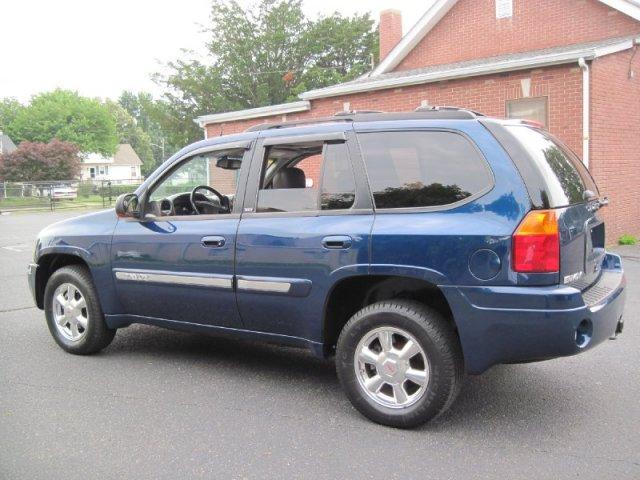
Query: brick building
x: 570, y: 64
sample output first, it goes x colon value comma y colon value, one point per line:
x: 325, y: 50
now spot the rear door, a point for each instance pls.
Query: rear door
x: 569, y: 187
x: 306, y: 223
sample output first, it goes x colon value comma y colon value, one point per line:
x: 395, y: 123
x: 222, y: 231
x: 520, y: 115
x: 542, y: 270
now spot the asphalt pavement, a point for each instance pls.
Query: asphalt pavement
x: 171, y: 405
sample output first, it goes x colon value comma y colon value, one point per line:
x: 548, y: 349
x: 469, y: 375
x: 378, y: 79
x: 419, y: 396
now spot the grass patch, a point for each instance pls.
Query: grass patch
x: 627, y: 240
x: 17, y: 203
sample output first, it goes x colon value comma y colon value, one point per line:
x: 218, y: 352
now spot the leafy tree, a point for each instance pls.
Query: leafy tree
x: 263, y: 56
x: 168, y: 133
x: 340, y: 49
x: 9, y: 109
x: 67, y: 116
x: 129, y: 132
x: 33, y: 161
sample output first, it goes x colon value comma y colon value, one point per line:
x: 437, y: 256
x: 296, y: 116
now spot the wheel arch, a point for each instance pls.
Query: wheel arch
x: 48, y: 263
x: 353, y: 293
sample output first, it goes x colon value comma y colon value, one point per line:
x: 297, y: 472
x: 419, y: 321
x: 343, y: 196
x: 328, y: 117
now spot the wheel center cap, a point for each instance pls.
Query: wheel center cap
x: 389, y: 368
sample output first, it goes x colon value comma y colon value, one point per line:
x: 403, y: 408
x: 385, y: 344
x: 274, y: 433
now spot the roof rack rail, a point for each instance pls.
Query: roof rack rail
x: 348, y: 113
x: 438, y: 113
x: 297, y: 123
x: 446, y: 108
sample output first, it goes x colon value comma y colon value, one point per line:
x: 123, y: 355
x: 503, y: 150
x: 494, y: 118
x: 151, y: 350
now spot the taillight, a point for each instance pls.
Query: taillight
x: 536, y: 243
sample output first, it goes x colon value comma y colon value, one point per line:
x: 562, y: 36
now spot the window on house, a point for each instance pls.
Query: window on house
x: 423, y: 169
x: 306, y: 177
x: 532, y: 108
x: 133, y: 172
x: 92, y: 172
x: 504, y: 9
x: 101, y: 170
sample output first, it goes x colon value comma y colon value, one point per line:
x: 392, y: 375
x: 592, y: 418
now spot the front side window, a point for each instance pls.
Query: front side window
x: 305, y: 178
x: 203, y: 184
x: 423, y: 169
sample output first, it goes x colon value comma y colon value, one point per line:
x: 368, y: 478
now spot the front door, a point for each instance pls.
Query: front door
x: 306, y: 225
x: 176, y: 264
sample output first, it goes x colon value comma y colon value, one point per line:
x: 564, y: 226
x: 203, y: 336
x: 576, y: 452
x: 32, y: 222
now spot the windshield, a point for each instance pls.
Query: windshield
x: 566, y: 177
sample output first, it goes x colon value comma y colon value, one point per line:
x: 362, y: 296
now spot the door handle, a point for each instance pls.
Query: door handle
x: 213, y: 241
x: 335, y: 242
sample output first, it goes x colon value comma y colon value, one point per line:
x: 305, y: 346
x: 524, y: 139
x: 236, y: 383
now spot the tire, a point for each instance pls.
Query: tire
x: 437, y: 369
x: 94, y: 335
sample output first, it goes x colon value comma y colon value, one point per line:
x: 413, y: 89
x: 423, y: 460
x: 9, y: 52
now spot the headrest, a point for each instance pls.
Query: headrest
x: 291, y: 177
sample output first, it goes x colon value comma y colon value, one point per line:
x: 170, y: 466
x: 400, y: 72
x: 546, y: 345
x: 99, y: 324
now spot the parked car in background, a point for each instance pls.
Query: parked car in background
x: 415, y: 247
x: 55, y: 191
x: 60, y: 192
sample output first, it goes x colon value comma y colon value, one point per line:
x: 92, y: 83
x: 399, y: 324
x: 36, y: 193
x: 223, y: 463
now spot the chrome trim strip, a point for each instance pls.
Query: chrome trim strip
x: 168, y: 278
x: 264, y: 285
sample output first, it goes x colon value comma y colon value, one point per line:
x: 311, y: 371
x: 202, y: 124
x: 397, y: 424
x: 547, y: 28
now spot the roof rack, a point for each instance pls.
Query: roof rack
x: 446, y: 108
x: 430, y: 113
x: 348, y: 113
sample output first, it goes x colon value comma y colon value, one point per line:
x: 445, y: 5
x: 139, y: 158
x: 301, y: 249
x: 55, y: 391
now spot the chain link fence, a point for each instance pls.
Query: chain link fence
x: 63, y: 194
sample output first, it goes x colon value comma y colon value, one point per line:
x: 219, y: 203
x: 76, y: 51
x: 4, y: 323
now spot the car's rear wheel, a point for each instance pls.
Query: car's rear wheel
x: 399, y: 362
x: 73, y: 312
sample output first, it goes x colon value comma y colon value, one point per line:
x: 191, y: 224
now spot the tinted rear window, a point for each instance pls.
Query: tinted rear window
x: 564, y: 174
x: 423, y: 169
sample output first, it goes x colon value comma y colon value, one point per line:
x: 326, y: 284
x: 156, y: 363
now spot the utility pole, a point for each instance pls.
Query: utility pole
x: 161, y: 147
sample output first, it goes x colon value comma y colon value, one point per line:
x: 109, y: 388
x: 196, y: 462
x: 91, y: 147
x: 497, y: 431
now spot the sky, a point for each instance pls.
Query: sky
x: 101, y: 48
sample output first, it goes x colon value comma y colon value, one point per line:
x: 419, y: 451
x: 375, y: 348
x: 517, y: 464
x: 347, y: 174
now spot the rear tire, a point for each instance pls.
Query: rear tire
x: 73, y: 312
x: 400, y: 363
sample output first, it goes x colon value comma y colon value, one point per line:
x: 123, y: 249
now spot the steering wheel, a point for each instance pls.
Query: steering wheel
x: 223, y: 207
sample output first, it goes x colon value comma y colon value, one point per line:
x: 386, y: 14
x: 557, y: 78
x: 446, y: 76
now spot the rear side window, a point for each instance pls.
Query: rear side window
x: 306, y: 177
x: 565, y: 176
x: 423, y: 169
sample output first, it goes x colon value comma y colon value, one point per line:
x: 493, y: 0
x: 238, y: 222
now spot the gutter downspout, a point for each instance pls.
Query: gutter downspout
x: 586, y: 103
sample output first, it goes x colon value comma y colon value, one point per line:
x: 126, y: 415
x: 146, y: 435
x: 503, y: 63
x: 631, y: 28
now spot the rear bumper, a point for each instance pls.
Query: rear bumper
x: 526, y: 324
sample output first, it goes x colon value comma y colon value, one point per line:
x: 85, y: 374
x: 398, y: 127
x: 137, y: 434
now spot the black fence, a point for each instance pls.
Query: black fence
x: 63, y: 194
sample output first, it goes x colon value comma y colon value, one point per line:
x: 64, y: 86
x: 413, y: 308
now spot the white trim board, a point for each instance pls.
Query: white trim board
x: 268, y: 111
x: 453, y: 72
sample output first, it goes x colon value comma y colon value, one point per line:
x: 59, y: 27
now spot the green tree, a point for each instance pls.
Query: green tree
x: 9, y: 109
x: 339, y: 49
x: 261, y: 56
x: 168, y: 133
x: 67, y: 116
x: 129, y: 132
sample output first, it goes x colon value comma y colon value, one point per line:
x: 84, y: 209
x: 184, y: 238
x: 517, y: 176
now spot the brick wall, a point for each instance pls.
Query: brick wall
x: 223, y: 180
x: 615, y: 140
x: 470, y: 30
x: 390, y: 31
x: 487, y: 94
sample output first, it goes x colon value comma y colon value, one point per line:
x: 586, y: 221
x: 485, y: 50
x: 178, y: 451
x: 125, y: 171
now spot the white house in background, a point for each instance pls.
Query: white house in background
x: 123, y: 168
x: 6, y: 145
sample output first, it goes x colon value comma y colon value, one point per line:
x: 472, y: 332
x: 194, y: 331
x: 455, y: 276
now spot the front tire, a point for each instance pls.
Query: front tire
x: 400, y: 363
x: 73, y: 312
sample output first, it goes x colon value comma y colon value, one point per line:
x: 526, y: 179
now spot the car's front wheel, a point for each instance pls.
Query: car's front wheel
x: 399, y: 362
x: 73, y: 312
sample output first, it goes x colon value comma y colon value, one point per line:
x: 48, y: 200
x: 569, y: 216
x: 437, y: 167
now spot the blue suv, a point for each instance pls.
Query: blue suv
x: 415, y: 247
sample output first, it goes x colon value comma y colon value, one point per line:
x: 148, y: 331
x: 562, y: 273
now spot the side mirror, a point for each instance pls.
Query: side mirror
x: 127, y: 205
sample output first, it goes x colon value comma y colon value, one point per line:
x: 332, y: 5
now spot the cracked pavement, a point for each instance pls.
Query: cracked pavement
x: 162, y: 404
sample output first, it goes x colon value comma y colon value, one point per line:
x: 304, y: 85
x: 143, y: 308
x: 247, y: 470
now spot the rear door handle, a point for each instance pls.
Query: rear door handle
x: 335, y: 242
x: 213, y: 241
